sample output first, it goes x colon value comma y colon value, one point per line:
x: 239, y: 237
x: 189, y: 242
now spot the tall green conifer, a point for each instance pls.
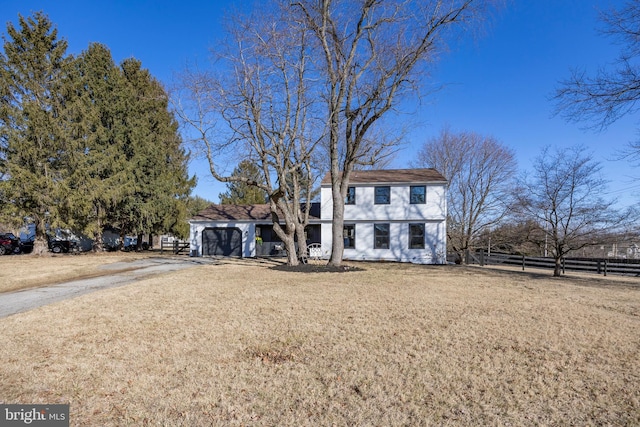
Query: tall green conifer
x: 96, y: 111
x: 241, y: 193
x: 33, y: 144
x: 156, y: 159
x: 85, y: 143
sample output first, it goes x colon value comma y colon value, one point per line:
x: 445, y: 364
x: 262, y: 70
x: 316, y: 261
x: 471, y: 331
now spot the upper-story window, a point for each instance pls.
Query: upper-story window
x: 418, y: 194
x: 351, y: 196
x: 383, y: 195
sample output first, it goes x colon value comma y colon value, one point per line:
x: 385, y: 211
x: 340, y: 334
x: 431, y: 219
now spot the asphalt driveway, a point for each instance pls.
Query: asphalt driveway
x: 116, y: 274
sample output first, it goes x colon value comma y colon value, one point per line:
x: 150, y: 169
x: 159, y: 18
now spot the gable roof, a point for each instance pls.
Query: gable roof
x: 244, y: 213
x: 391, y: 176
x: 234, y: 212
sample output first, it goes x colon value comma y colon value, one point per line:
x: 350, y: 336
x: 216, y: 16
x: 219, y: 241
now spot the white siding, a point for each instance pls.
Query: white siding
x: 398, y: 210
x: 326, y: 204
x: 434, y: 251
x: 325, y: 233
x: 399, y: 213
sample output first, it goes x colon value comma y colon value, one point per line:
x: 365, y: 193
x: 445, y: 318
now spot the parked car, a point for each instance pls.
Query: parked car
x: 9, y: 244
x: 26, y: 246
x: 56, y: 245
x: 59, y: 244
x: 131, y: 244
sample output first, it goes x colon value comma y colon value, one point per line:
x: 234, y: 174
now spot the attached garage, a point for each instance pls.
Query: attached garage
x: 222, y: 241
x: 239, y: 231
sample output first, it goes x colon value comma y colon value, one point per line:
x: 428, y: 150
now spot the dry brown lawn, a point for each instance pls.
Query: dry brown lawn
x: 28, y: 271
x: 388, y: 345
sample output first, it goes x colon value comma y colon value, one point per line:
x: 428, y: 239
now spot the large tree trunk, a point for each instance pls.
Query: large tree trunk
x: 302, y: 241
x: 290, y: 245
x: 339, y: 186
x: 339, y: 179
x: 40, y: 243
x: 40, y: 246
x: 337, y: 244
x: 97, y: 245
x: 287, y: 235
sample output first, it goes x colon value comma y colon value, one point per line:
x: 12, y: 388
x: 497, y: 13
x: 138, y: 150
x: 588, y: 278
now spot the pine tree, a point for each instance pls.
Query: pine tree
x: 196, y: 204
x: 242, y: 193
x: 156, y: 161
x: 32, y: 70
x: 96, y: 110
x: 85, y: 143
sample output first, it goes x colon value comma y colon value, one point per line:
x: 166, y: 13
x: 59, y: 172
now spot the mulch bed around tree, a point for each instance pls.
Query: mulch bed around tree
x: 316, y: 267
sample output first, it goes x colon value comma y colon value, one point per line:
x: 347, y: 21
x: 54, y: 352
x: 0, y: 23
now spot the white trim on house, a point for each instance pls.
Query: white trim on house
x: 399, y: 214
x: 434, y: 251
x: 248, y: 230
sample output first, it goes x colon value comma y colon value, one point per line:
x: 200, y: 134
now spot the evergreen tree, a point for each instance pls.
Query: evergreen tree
x: 241, y: 192
x: 96, y: 108
x: 156, y: 161
x: 196, y: 204
x: 33, y: 144
x: 85, y: 143
x: 131, y: 169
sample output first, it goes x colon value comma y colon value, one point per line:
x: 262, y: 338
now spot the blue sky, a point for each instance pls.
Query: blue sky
x: 497, y: 83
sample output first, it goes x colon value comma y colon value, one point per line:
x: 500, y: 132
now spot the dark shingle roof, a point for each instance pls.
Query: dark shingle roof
x: 391, y: 176
x: 244, y: 213
x: 234, y: 213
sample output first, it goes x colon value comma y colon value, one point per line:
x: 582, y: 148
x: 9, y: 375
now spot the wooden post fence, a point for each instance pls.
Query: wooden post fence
x: 593, y: 265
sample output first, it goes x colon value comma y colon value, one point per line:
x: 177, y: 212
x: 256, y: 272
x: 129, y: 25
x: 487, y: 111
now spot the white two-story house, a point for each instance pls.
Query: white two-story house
x: 392, y: 214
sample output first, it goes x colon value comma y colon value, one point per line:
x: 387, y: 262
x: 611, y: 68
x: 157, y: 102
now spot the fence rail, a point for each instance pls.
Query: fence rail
x: 592, y: 265
x: 176, y: 246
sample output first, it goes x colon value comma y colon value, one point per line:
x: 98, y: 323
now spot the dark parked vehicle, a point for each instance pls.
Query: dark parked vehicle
x: 58, y: 240
x: 26, y: 246
x: 9, y: 244
x: 58, y: 245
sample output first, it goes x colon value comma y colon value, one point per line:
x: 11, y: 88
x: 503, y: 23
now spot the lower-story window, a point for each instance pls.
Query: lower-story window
x: 416, y: 236
x: 381, y: 236
x: 349, y: 234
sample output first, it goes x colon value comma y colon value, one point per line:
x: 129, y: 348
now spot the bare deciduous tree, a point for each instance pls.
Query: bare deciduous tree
x: 265, y: 105
x: 371, y: 53
x: 564, y: 196
x: 480, y: 173
x: 514, y: 236
x: 613, y: 92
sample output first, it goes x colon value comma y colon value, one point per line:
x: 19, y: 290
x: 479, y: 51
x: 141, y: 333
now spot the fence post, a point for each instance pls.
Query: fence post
x: 605, y: 267
x: 563, y: 270
x: 599, y: 267
x: 466, y: 257
x: 523, y: 258
x: 482, y: 258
